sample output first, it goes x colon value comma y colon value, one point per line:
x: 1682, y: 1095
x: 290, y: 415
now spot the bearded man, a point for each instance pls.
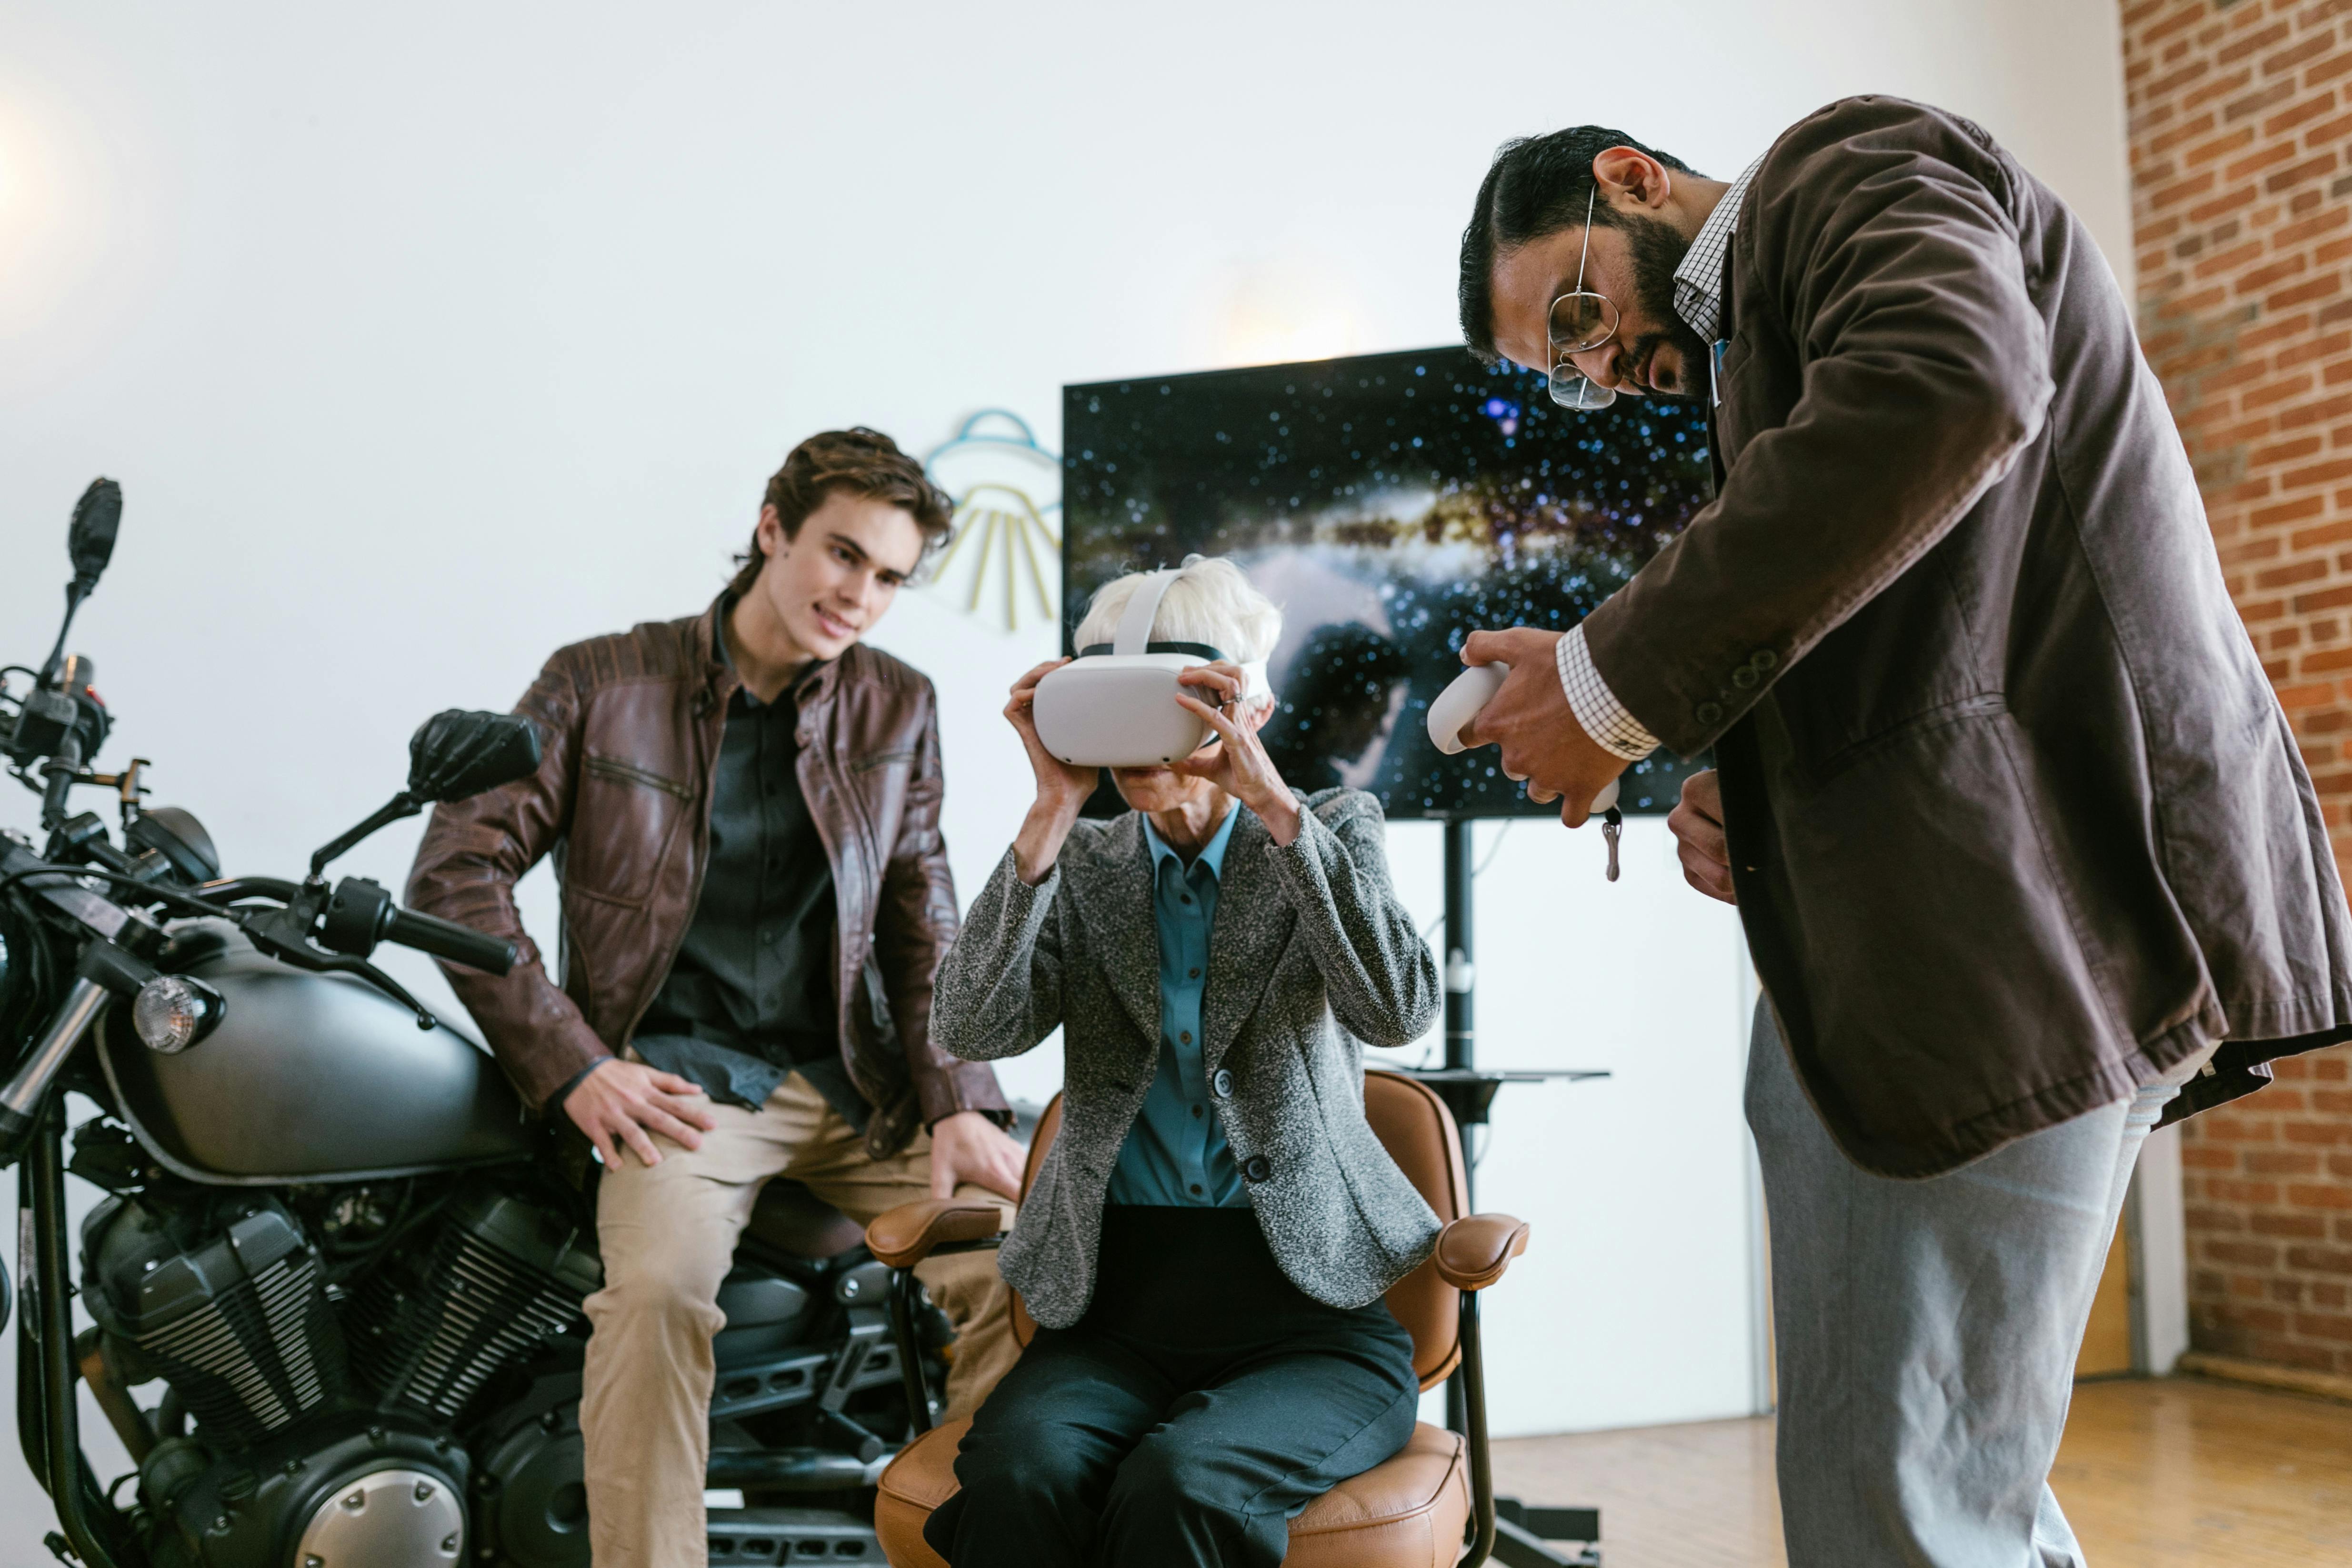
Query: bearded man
x: 2025, y: 854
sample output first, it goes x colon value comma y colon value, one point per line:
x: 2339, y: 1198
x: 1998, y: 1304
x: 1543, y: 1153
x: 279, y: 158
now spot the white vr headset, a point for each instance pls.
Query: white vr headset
x: 1114, y: 705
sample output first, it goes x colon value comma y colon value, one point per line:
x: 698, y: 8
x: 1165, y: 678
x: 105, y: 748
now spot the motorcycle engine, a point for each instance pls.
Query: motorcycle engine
x: 236, y: 1322
x: 327, y: 1436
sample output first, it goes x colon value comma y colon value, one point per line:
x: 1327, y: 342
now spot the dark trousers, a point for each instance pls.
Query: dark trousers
x: 1201, y: 1402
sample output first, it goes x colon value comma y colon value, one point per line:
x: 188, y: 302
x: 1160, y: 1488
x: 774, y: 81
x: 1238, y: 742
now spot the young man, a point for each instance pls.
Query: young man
x: 2014, y: 823
x: 745, y: 807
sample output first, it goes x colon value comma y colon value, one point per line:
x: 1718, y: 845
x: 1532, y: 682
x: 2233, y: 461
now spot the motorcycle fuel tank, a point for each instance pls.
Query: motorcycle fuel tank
x: 309, y: 1076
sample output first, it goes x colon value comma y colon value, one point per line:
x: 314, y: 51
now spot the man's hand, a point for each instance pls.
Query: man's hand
x: 1697, y: 825
x: 1529, y: 718
x: 969, y: 1148
x: 620, y: 1103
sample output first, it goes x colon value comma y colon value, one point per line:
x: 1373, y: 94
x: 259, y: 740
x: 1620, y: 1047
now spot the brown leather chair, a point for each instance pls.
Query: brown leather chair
x: 1418, y: 1510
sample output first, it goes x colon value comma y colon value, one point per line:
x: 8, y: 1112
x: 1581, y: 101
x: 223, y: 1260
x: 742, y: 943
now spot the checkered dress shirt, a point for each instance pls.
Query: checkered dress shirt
x: 1698, y: 300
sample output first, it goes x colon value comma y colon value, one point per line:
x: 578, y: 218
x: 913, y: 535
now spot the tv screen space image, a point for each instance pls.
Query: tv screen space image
x: 1391, y: 504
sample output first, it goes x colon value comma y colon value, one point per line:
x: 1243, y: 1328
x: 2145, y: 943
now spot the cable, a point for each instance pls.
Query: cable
x: 45, y: 989
x: 1494, y: 849
x: 1477, y: 871
x: 159, y: 894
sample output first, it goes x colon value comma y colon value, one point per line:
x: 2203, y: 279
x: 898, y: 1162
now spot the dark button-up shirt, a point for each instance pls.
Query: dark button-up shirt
x: 750, y: 995
x: 1176, y: 1152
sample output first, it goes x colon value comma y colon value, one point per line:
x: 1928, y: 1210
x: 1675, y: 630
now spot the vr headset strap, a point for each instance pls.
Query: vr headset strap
x: 1134, y: 634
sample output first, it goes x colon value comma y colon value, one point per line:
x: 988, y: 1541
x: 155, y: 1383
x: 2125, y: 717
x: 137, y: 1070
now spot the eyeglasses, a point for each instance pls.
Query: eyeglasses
x: 1581, y: 321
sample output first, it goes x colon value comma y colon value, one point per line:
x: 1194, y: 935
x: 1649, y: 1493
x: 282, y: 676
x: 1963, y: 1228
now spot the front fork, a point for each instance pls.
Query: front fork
x: 22, y: 1098
x: 48, y: 1419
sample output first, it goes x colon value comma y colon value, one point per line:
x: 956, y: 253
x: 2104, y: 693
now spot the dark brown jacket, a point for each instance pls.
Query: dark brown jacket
x: 2016, y: 820
x: 631, y: 726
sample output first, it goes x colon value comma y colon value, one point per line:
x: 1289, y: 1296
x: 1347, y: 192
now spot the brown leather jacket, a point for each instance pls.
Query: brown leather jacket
x: 2015, y: 819
x: 630, y: 726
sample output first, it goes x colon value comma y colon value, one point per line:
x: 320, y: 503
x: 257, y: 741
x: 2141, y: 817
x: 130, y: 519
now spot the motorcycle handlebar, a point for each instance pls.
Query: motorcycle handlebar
x: 381, y: 920
x: 447, y: 939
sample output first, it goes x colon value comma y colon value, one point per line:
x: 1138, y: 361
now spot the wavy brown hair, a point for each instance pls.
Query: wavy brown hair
x: 862, y: 462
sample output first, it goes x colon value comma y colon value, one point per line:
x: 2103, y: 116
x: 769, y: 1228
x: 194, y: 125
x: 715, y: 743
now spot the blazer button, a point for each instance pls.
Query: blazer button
x: 1765, y: 659
x: 1709, y: 713
x: 1221, y: 1085
x: 1745, y: 676
x: 1257, y: 1167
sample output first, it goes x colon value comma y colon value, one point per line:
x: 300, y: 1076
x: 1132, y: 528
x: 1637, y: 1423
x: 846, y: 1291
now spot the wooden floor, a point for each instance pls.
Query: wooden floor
x: 2176, y: 1470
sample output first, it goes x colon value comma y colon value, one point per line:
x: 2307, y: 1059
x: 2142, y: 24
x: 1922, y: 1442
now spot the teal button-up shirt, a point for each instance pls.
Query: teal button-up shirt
x: 1176, y: 1154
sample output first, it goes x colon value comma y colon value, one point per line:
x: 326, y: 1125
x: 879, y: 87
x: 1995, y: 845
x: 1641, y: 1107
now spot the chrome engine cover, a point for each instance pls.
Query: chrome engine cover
x: 386, y: 1519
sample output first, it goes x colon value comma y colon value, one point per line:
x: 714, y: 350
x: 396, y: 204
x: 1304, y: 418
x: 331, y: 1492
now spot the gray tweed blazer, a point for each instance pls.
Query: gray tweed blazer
x: 1310, y: 955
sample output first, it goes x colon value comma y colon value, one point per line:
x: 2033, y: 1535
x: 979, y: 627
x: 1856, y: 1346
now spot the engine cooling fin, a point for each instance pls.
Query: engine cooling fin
x: 239, y: 1325
x: 502, y: 1276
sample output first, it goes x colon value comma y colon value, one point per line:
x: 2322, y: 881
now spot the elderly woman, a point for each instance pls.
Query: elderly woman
x: 1207, y: 1245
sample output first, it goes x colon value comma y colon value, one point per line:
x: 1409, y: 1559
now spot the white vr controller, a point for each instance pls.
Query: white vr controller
x: 1460, y: 702
x: 1115, y: 706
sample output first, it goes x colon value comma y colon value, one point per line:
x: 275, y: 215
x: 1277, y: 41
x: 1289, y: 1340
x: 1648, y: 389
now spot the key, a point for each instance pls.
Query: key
x: 1612, y: 822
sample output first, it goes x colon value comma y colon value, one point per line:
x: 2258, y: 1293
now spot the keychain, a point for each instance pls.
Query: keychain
x: 1612, y: 822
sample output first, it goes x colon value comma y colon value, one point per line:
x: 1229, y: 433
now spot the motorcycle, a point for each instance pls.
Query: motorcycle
x: 330, y: 1234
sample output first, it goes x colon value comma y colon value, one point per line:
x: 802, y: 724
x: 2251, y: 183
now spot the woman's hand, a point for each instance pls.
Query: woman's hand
x: 1059, y: 783
x: 1062, y: 787
x: 1237, y: 763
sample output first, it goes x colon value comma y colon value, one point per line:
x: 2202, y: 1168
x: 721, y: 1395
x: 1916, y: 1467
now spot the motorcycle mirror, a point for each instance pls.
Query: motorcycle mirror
x: 457, y: 754
x: 91, y: 538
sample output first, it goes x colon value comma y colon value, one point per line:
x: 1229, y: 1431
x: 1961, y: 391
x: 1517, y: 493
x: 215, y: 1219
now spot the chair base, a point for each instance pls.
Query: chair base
x: 1516, y: 1546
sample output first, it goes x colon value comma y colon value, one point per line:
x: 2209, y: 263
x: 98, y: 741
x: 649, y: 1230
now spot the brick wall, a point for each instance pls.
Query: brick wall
x: 2241, y: 197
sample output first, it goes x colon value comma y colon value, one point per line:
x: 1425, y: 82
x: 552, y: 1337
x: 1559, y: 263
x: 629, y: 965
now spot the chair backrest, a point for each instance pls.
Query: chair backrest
x: 1414, y: 1124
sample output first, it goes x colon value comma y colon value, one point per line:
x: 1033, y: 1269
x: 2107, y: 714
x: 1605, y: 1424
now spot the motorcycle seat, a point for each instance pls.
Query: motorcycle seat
x: 794, y: 1220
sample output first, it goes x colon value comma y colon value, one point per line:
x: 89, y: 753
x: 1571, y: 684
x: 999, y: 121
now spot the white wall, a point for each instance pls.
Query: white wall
x: 426, y: 339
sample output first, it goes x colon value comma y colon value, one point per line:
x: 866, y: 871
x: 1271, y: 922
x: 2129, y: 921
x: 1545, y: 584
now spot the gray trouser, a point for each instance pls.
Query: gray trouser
x: 1925, y: 1331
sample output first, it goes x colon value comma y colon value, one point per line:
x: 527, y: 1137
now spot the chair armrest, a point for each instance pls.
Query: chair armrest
x: 1472, y: 1251
x: 903, y: 1237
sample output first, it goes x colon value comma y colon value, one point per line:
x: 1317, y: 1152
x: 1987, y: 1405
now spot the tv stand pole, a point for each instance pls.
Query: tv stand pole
x: 1461, y: 975
x: 1469, y: 1093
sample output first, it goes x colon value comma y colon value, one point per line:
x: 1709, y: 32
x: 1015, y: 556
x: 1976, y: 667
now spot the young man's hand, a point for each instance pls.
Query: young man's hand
x: 620, y: 1103
x: 969, y: 1148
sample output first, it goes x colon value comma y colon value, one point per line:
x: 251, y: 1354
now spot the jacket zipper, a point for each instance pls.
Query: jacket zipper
x: 608, y: 768
x: 701, y: 852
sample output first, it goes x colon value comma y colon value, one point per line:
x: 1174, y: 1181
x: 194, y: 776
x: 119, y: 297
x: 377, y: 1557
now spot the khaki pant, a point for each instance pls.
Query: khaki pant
x: 667, y: 1233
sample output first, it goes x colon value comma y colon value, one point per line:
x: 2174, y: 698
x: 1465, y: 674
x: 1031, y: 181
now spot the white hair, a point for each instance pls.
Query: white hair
x: 1210, y: 602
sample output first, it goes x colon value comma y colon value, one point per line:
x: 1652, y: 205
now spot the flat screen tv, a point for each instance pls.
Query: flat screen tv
x: 1391, y: 504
